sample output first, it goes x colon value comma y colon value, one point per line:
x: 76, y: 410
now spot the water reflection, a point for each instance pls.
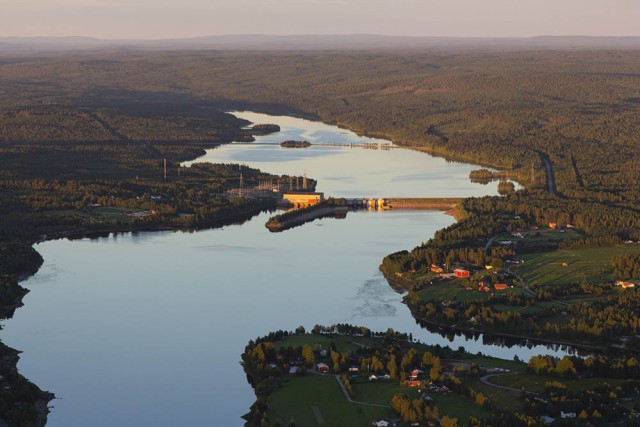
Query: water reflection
x: 505, y: 342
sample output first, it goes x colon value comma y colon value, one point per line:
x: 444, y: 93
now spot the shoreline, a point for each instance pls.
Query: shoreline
x: 491, y: 334
x: 82, y: 233
x: 397, y: 285
x: 11, y: 377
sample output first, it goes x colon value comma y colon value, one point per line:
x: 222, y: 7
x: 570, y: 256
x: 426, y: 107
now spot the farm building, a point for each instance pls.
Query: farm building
x: 436, y: 269
x: 625, y: 285
x: 461, y: 272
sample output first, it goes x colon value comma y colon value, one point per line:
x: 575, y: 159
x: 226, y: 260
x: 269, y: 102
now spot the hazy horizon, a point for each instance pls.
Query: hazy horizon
x: 257, y: 35
x: 170, y: 19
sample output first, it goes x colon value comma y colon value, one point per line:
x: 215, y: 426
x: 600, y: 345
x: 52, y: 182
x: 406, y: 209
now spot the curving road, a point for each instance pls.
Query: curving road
x: 344, y: 390
x: 350, y: 400
x: 486, y: 247
x: 485, y: 380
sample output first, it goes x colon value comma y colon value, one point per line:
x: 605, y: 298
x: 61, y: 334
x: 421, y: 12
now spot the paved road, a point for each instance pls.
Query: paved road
x: 350, y: 400
x: 527, y: 289
x: 551, y: 185
x: 486, y: 247
x: 524, y: 285
x: 485, y: 380
x: 345, y: 392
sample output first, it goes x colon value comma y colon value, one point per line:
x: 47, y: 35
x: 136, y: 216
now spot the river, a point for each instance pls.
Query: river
x: 142, y: 329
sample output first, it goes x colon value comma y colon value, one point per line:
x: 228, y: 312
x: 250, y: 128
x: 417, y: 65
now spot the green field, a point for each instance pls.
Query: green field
x: 342, y: 343
x: 536, y: 237
x: 502, y: 400
x: 449, y: 289
x: 497, y: 363
x: 591, y: 265
x: 299, y: 395
x: 380, y: 392
x: 535, y: 383
x: 457, y: 406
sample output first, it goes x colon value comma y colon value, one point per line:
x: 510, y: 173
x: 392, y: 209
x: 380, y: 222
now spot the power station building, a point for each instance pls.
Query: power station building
x: 303, y: 199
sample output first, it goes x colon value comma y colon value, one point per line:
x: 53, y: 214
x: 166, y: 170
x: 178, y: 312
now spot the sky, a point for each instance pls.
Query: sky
x: 161, y: 19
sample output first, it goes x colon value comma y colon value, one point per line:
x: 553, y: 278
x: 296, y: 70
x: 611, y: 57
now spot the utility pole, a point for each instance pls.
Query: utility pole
x: 165, y: 168
x: 533, y: 174
x: 304, y: 182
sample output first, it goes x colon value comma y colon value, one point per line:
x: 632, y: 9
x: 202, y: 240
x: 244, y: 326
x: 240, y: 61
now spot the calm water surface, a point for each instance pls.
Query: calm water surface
x: 147, y: 329
x: 346, y: 171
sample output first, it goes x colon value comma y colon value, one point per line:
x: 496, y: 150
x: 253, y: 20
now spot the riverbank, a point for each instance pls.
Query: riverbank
x: 21, y: 402
x: 506, y: 338
x: 401, y: 285
x: 461, y: 280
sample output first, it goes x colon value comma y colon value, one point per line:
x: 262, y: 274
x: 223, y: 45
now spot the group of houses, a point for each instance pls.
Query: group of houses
x: 625, y: 285
x: 457, y: 273
x: 379, y: 377
x: 564, y: 415
x: 415, y: 378
x: 383, y: 422
x: 484, y: 285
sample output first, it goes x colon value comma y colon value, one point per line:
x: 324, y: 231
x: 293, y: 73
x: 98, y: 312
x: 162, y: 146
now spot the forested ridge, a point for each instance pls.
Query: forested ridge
x: 499, y: 108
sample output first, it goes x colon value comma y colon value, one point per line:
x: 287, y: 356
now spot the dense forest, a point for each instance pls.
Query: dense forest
x: 506, y: 109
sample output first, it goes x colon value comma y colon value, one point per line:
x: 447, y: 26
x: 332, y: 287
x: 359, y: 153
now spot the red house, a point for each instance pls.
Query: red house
x: 322, y: 367
x: 461, y: 272
x: 500, y: 286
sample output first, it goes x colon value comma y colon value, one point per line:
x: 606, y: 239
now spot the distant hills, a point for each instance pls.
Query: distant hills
x: 314, y: 42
